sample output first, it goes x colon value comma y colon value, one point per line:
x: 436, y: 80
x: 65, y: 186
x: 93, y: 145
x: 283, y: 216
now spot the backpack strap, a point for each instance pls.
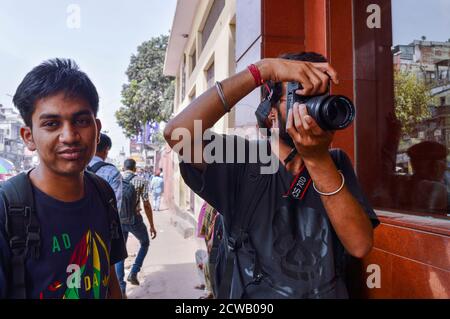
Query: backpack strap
x: 22, y: 228
x: 129, y: 178
x: 94, y: 168
x: 216, y: 250
x: 109, y: 199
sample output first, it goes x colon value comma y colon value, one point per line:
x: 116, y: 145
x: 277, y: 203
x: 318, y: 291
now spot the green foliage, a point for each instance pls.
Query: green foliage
x: 148, y: 96
x: 412, y: 100
x: 129, y: 120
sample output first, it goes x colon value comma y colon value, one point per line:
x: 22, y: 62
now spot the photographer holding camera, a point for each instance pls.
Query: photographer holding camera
x: 288, y: 233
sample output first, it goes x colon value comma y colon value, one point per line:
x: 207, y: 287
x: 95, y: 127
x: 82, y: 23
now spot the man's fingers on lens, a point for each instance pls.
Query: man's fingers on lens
x: 290, y: 128
x: 289, y: 120
x: 297, y: 118
x: 314, y: 127
x: 303, y: 112
x: 309, y: 125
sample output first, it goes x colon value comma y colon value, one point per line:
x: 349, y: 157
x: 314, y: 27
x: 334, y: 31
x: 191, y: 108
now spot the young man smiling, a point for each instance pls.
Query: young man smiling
x: 76, y: 238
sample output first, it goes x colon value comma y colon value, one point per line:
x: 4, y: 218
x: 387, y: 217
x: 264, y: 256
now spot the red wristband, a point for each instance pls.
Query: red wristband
x: 258, y: 79
x: 256, y: 74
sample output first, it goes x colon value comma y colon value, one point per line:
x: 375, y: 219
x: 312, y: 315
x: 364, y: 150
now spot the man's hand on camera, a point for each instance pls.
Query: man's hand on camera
x: 310, y: 140
x: 314, y: 77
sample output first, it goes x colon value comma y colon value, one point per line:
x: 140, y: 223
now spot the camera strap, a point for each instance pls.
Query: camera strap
x: 299, y: 185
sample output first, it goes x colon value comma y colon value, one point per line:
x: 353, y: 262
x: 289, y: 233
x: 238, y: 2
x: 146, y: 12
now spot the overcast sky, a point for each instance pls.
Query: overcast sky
x: 413, y: 18
x: 110, y: 31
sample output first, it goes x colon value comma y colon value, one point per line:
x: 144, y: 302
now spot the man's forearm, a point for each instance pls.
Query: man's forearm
x: 148, y: 212
x: 114, y: 291
x: 347, y: 216
x: 208, y: 107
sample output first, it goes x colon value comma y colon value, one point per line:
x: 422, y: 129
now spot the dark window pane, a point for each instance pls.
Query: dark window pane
x: 183, y: 79
x: 213, y: 16
x: 210, y: 76
x: 193, y: 60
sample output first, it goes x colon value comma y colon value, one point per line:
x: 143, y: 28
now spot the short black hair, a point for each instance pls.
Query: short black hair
x: 277, y: 87
x: 50, y: 78
x: 129, y: 164
x: 105, y: 143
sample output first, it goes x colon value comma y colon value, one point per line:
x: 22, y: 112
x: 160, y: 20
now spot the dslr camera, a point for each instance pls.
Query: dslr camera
x: 331, y: 112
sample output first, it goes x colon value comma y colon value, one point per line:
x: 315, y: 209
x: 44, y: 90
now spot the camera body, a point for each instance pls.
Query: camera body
x: 331, y: 112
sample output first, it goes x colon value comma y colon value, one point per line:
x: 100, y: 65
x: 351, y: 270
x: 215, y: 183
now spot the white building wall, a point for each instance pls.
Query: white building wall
x: 219, y: 49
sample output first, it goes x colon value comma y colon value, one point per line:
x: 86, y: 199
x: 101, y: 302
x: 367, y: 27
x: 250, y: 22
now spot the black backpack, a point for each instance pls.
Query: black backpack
x: 128, y: 208
x: 237, y: 236
x: 217, y: 255
x: 22, y: 226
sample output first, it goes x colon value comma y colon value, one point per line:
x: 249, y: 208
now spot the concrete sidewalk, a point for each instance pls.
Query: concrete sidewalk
x: 169, y: 270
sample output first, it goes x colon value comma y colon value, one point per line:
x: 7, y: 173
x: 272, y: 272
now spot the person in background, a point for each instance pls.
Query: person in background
x: 132, y: 221
x: 201, y: 254
x: 426, y: 189
x: 207, y: 218
x: 157, y: 189
x: 107, y: 171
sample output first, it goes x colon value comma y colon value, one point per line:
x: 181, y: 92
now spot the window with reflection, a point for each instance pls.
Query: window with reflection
x: 421, y: 57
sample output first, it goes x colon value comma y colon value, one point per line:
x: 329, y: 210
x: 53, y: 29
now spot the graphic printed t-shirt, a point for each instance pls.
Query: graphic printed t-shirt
x: 76, y: 248
x: 298, y: 250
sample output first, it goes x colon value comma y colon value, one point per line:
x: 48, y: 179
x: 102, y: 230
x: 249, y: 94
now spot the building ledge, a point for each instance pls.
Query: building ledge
x: 181, y: 28
x: 419, y: 221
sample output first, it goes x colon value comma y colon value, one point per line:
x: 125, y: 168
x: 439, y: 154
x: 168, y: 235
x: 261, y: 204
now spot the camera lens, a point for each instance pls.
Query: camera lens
x: 337, y: 112
x: 332, y: 113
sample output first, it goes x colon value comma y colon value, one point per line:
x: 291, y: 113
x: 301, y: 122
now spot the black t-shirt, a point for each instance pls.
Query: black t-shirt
x: 297, y: 247
x: 76, y: 248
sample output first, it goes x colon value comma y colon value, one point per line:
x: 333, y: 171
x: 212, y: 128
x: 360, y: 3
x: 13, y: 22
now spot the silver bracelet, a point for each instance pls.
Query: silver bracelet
x: 219, y: 89
x: 336, y: 191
